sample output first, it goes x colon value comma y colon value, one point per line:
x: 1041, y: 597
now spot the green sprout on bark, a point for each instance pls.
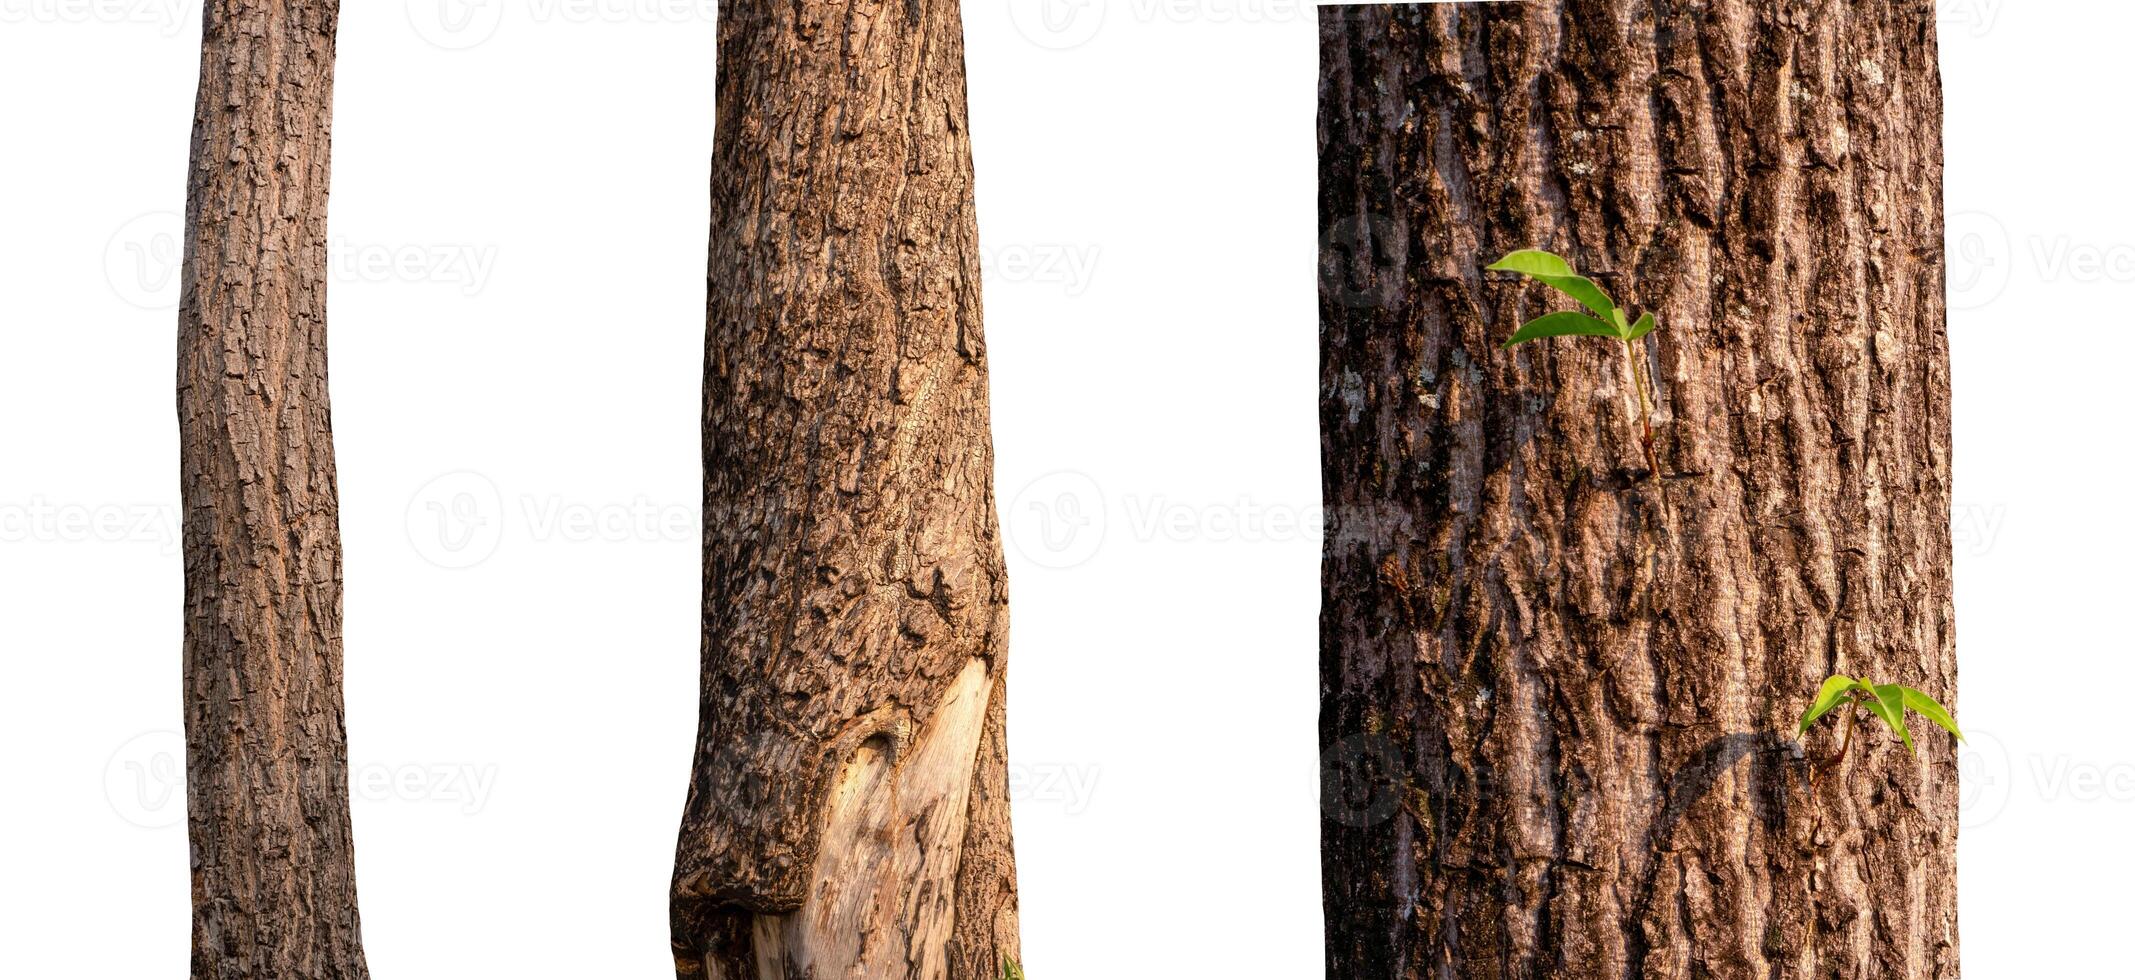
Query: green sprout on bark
x: 1888, y: 703
x: 1011, y: 970
x: 1607, y: 320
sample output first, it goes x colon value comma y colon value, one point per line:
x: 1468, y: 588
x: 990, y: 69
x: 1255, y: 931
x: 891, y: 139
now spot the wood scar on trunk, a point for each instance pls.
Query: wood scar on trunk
x: 881, y: 897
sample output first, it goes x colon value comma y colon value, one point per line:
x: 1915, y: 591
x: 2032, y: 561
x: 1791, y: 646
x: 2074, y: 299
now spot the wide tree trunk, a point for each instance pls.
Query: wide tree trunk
x: 848, y: 811
x: 274, y: 887
x: 1559, y: 690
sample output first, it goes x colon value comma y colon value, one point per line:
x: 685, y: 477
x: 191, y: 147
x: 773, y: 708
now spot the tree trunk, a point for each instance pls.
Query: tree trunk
x: 274, y: 888
x: 1559, y: 690
x: 848, y: 811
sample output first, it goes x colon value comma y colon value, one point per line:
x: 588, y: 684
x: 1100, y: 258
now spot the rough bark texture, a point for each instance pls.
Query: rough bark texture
x: 848, y: 811
x: 274, y: 888
x: 1559, y: 690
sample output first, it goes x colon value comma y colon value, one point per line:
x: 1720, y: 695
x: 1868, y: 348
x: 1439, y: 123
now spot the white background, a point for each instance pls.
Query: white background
x: 519, y: 214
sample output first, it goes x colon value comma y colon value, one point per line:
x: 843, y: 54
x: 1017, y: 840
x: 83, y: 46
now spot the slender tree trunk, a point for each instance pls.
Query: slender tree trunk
x: 274, y: 887
x: 1559, y: 690
x: 848, y: 812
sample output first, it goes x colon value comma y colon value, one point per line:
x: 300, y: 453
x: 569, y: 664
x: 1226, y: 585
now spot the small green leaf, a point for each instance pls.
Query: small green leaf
x: 1833, y: 692
x: 1557, y: 274
x: 1533, y: 262
x: 1931, y: 708
x: 1565, y: 324
x: 1889, y: 705
x: 1011, y: 970
x: 1645, y: 326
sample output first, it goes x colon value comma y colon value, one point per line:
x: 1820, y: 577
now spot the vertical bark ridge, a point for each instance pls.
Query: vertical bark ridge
x: 1574, y: 680
x: 273, y: 869
x: 855, y: 619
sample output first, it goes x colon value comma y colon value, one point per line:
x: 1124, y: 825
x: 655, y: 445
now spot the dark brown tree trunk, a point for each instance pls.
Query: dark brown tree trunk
x: 848, y: 811
x: 1559, y: 690
x: 274, y: 886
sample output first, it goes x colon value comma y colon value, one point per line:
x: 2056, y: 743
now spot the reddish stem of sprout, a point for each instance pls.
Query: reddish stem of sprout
x: 1645, y: 408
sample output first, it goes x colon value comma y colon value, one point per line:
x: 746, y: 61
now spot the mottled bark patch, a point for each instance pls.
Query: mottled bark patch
x: 274, y: 888
x: 1559, y: 694
x: 853, y: 570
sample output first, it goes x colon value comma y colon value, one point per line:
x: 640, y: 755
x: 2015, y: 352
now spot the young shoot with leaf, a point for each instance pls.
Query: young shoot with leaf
x: 1887, y: 702
x: 1608, y: 320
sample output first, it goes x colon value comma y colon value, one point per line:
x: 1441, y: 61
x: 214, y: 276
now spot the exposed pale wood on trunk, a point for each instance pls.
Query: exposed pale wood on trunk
x: 1560, y: 690
x: 274, y: 892
x: 889, y: 852
x: 848, y: 813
